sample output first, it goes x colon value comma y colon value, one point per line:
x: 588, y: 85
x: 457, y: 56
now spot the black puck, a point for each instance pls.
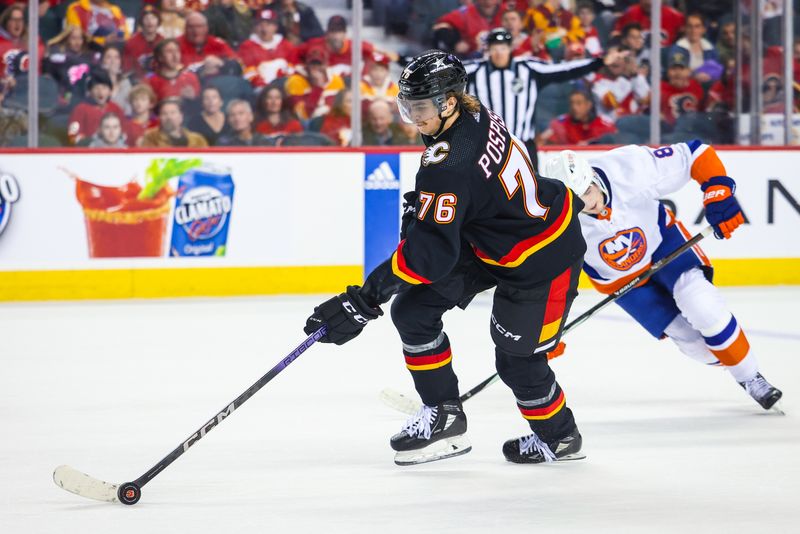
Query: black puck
x: 129, y: 493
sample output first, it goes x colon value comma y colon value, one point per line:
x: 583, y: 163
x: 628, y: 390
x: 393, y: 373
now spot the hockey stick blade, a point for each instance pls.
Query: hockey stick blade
x: 82, y: 484
x: 397, y: 401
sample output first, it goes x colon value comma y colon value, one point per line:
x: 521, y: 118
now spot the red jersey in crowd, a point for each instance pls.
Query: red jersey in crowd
x: 289, y: 127
x: 264, y: 62
x: 135, y: 130
x: 85, y: 119
x: 568, y: 131
x: 137, y: 54
x: 619, y: 96
x: 173, y: 87
x: 214, y: 46
x: 14, y: 55
x: 671, y: 22
x: 526, y: 49
x: 337, y: 128
x: 676, y: 102
x: 339, y: 61
x: 471, y: 24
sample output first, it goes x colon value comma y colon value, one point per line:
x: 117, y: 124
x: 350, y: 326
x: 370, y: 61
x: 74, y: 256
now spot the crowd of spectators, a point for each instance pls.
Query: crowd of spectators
x: 194, y: 73
x: 160, y: 73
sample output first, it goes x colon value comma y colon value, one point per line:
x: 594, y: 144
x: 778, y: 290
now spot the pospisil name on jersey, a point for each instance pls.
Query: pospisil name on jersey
x: 9, y: 193
x: 203, y: 208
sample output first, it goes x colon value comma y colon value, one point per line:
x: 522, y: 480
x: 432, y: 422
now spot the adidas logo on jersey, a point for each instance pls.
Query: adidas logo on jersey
x: 382, y: 178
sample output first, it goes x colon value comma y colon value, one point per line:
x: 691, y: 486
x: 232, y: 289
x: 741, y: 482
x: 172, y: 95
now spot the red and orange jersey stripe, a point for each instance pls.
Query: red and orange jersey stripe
x: 545, y: 412
x: 401, y: 269
x: 707, y: 165
x: 524, y: 249
x: 427, y: 363
x: 556, y: 304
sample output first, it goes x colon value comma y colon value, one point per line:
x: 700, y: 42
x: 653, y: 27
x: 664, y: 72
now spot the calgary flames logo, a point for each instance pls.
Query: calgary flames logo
x: 624, y: 250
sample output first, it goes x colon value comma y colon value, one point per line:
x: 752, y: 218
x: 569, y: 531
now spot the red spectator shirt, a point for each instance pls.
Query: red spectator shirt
x: 676, y: 102
x: 214, y: 46
x: 172, y: 87
x: 471, y: 25
x: 671, y: 22
x: 85, y: 119
x: 289, y: 127
x: 339, y: 61
x: 137, y: 54
x: 264, y: 62
x: 568, y: 131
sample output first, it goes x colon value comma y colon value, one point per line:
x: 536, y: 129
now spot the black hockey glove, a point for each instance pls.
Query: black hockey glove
x: 346, y: 316
x: 409, y: 212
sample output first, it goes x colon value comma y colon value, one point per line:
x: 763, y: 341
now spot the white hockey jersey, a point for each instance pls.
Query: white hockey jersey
x: 621, y: 240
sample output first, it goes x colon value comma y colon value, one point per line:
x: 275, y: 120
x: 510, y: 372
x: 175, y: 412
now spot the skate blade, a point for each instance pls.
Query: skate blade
x: 441, y: 450
x: 570, y: 457
x: 777, y: 408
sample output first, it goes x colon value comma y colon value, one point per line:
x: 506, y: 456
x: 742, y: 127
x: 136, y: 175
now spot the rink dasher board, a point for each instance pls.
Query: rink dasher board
x: 301, y: 221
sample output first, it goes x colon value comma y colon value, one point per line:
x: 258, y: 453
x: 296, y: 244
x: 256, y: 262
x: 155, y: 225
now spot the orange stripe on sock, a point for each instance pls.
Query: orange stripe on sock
x: 735, y: 352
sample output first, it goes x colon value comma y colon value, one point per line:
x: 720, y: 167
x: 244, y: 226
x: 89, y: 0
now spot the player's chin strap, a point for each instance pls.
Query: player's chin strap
x: 443, y: 120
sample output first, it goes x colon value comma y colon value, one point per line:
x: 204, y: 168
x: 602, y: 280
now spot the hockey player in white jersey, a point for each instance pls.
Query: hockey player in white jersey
x: 626, y: 229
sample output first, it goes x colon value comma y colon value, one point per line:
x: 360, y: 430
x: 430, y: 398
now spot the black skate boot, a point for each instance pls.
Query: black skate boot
x: 433, y: 433
x: 763, y: 392
x: 532, y: 450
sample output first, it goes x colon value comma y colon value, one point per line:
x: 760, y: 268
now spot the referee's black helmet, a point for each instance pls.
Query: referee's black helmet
x: 432, y: 73
x: 499, y: 36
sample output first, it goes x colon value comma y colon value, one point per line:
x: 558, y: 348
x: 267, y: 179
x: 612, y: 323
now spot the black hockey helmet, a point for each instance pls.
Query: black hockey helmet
x: 429, y: 77
x: 432, y: 73
x: 499, y: 36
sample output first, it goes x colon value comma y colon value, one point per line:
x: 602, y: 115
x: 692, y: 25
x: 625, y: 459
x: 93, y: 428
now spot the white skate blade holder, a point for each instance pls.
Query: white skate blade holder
x: 439, y: 450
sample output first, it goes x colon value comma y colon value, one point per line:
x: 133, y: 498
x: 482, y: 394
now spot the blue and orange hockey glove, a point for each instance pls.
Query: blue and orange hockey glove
x: 722, y: 209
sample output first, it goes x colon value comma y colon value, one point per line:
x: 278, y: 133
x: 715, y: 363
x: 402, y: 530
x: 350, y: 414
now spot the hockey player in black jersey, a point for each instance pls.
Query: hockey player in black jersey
x: 482, y: 219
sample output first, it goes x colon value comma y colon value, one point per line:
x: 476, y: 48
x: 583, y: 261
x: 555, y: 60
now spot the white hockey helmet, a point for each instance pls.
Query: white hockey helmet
x: 574, y: 171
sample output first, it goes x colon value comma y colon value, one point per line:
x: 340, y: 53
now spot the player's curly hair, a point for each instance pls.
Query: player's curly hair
x: 466, y: 101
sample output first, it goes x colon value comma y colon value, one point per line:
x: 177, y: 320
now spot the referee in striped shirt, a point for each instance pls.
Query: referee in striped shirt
x: 509, y: 86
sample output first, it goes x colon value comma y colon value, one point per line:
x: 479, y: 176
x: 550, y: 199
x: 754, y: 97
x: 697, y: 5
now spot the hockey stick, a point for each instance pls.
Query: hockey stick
x: 82, y: 484
x: 405, y: 404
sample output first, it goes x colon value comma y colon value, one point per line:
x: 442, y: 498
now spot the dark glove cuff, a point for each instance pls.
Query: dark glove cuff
x: 725, y: 181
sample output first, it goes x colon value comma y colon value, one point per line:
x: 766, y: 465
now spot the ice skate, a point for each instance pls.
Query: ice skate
x: 433, y: 433
x: 763, y: 392
x: 532, y: 450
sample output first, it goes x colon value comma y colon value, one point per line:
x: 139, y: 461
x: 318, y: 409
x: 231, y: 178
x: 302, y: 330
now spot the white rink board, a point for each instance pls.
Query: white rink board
x: 295, y: 209
x: 287, y: 210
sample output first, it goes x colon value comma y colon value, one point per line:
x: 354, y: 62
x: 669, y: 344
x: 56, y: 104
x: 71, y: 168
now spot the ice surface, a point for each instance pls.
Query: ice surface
x: 112, y: 387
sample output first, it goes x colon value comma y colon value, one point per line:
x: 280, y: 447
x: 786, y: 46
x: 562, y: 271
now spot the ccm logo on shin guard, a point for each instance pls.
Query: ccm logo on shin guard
x: 349, y: 308
x: 500, y: 328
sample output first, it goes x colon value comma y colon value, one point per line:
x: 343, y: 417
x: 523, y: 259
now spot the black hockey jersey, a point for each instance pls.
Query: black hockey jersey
x: 476, y: 185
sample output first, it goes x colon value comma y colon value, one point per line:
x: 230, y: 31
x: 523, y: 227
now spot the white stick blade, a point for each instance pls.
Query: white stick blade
x: 82, y: 484
x: 398, y: 401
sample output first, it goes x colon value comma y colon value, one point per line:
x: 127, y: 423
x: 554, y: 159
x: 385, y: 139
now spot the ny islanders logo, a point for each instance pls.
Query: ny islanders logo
x: 624, y: 250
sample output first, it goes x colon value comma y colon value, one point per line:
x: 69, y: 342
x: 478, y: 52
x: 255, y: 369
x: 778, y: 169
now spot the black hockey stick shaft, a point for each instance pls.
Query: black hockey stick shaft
x: 654, y: 268
x: 228, y: 410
